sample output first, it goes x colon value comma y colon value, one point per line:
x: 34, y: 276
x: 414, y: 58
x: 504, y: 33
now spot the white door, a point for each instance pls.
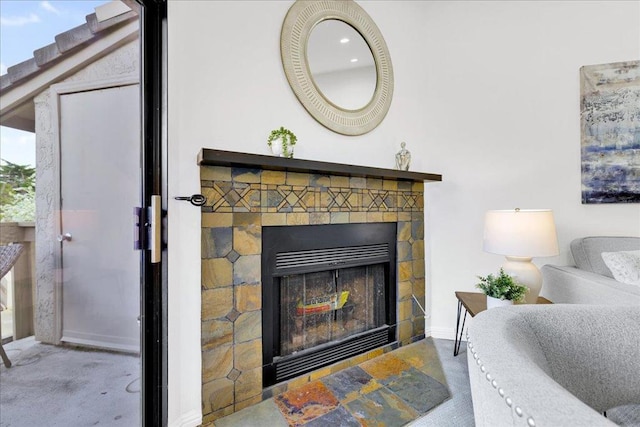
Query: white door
x: 99, y: 188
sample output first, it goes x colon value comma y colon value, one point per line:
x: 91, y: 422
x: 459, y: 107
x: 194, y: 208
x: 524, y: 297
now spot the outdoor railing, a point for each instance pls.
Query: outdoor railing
x: 23, y: 275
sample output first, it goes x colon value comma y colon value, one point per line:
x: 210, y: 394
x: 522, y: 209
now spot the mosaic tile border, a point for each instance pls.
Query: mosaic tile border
x: 257, y: 191
x: 224, y: 196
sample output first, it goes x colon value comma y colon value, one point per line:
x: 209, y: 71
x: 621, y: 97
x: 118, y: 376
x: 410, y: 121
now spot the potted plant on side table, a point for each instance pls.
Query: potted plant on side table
x: 501, y: 290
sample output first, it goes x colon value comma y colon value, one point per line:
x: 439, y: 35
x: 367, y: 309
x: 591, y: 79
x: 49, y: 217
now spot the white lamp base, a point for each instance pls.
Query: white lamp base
x: 526, y: 273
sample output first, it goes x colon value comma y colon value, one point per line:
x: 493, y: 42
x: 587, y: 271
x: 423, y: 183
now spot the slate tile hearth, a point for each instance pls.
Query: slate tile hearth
x: 304, y: 404
x: 390, y: 390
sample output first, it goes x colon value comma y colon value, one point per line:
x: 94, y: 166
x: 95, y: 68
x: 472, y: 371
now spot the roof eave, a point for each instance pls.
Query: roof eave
x: 18, y: 88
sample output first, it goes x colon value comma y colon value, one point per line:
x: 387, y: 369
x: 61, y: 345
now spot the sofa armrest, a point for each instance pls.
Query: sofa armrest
x: 571, y: 285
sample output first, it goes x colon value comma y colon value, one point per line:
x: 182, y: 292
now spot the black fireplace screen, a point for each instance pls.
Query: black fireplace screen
x: 328, y: 293
x: 321, y: 307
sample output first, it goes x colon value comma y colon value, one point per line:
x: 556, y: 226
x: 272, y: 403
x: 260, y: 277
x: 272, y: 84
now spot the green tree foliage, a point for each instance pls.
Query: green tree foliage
x: 17, y: 192
x: 20, y: 177
x: 23, y: 208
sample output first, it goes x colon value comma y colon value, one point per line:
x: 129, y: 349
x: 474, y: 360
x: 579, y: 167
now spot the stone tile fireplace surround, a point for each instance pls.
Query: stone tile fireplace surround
x: 246, y: 192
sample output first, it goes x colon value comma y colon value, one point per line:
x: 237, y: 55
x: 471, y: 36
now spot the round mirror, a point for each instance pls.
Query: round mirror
x: 341, y: 64
x: 308, y: 45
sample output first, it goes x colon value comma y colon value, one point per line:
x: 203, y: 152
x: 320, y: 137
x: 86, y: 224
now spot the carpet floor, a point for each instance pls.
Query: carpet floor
x: 457, y: 411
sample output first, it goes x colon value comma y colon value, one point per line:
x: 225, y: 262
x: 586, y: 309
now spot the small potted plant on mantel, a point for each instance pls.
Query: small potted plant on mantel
x: 281, y: 142
x: 501, y: 290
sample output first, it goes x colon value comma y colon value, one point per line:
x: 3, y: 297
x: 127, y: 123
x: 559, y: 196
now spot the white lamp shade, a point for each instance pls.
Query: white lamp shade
x: 520, y: 233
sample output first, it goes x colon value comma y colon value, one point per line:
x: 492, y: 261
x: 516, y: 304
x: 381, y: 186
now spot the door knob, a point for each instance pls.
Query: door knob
x: 63, y: 237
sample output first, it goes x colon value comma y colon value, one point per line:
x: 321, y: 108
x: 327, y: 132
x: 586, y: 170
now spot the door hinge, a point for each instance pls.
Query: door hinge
x: 148, y: 228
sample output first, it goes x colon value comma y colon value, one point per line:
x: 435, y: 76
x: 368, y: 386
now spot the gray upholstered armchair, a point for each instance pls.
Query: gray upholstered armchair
x: 553, y: 365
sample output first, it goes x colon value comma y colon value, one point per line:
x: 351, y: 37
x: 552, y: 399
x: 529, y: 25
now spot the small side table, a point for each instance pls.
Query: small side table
x: 473, y: 303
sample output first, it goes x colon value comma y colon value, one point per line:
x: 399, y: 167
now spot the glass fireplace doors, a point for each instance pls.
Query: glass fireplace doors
x: 328, y: 306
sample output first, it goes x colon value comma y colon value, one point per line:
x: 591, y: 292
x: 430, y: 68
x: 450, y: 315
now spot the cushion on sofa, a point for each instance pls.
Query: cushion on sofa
x: 625, y: 266
x: 587, y: 251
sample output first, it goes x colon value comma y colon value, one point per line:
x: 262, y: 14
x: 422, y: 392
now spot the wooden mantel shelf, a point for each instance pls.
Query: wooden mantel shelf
x: 210, y: 157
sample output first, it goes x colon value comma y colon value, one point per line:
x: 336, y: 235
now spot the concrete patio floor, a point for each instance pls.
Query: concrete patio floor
x: 68, y: 386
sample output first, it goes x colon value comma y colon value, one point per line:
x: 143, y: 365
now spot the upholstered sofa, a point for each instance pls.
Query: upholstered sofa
x: 590, y: 281
x: 553, y: 365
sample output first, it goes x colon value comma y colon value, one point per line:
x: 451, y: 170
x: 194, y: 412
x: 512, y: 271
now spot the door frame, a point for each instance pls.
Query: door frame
x: 153, y: 298
x: 153, y: 290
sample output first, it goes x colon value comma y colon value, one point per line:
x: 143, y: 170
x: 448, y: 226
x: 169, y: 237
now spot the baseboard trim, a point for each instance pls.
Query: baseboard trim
x: 444, y: 333
x: 189, y: 419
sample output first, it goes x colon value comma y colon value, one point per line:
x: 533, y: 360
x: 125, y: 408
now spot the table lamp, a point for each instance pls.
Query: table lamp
x: 521, y: 234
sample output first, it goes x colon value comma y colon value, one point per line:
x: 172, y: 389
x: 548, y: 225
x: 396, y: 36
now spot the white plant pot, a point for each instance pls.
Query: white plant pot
x: 278, y: 150
x: 276, y: 147
x: 497, y: 302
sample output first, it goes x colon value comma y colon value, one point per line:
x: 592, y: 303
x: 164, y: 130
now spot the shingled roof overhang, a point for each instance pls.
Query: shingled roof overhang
x: 73, y: 50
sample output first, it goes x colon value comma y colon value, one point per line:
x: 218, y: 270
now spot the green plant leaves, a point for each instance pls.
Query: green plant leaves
x: 286, y: 137
x: 503, y: 287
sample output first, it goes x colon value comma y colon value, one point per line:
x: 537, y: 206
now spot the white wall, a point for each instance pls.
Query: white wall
x: 486, y: 93
x: 502, y: 121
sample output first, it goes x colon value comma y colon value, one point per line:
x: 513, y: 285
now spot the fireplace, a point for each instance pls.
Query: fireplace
x: 329, y: 293
x: 248, y: 197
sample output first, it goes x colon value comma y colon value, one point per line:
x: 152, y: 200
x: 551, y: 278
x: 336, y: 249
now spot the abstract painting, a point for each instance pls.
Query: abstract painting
x: 610, y: 143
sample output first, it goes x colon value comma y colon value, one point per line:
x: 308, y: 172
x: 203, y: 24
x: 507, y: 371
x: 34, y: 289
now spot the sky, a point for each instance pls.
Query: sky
x: 27, y: 25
